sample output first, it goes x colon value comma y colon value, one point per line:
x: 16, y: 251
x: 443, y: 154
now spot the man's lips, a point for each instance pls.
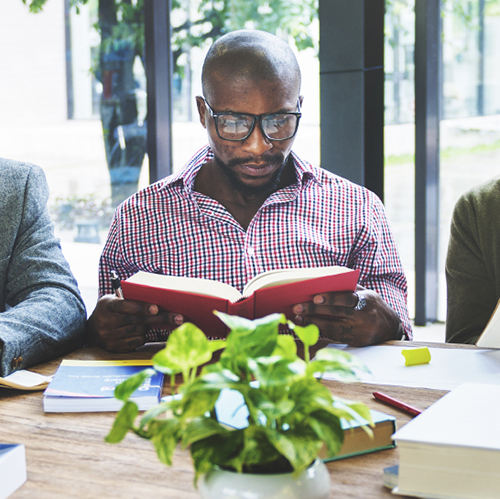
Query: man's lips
x: 258, y: 170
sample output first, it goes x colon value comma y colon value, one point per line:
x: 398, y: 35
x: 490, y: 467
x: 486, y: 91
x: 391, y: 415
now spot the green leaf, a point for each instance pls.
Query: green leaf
x: 352, y: 411
x: 162, y: 363
x: 123, y: 423
x: 259, y: 454
x: 186, y: 349
x: 276, y: 371
x: 201, y: 428
x: 249, y: 338
x: 197, y: 403
x: 328, y: 429
x: 165, y: 436
x: 130, y: 385
x: 235, y: 323
x: 342, y: 365
x: 286, y: 347
x: 299, y: 445
x: 215, y: 451
x: 215, y: 345
x: 309, y: 335
x: 156, y: 410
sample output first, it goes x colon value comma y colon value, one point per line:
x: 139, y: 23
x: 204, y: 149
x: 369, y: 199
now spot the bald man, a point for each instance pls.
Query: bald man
x: 246, y: 203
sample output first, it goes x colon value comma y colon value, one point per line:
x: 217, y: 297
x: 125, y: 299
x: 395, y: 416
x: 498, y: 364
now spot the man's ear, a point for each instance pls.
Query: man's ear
x: 301, y: 100
x: 202, y: 110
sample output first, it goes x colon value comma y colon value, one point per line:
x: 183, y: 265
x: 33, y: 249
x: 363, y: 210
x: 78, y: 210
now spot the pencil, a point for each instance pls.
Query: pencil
x: 409, y: 409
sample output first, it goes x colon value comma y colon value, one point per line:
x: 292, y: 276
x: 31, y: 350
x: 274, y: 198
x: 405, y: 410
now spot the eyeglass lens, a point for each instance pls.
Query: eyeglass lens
x: 274, y: 126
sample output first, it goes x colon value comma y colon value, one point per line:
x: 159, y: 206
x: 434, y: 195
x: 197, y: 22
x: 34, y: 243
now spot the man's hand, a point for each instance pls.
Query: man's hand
x: 338, y: 321
x: 118, y: 325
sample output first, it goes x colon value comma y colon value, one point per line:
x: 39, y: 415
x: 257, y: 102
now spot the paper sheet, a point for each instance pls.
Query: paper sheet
x: 447, y: 369
x: 25, y: 380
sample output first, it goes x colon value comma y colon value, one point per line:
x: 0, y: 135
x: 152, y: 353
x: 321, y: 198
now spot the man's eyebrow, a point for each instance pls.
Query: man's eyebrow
x: 279, y: 111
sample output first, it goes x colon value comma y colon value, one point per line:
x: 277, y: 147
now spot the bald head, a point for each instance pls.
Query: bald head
x: 249, y: 55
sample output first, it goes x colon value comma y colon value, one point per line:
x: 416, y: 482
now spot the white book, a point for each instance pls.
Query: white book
x: 490, y: 337
x: 12, y: 468
x: 452, y: 450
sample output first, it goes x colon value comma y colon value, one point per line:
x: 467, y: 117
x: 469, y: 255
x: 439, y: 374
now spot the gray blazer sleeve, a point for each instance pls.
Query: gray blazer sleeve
x: 42, y: 314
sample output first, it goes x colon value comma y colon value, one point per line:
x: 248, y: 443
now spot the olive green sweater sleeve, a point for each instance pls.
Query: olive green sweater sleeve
x: 473, y: 262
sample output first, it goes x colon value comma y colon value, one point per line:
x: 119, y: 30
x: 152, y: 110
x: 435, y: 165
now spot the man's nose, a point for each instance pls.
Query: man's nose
x: 257, y: 143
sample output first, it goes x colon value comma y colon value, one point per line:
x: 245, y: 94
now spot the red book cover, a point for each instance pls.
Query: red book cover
x: 198, y: 308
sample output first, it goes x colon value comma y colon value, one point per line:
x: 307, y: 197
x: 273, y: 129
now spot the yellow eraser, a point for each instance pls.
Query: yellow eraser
x: 416, y: 356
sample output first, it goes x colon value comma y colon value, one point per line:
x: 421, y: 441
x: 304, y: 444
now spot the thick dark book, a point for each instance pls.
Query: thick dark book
x: 12, y: 468
x: 232, y: 411
x: 276, y: 291
x: 88, y: 386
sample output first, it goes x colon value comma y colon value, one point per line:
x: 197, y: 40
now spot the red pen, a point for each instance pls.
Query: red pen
x: 413, y: 411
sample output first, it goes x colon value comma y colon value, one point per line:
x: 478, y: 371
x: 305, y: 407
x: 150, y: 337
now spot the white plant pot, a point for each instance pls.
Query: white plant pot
x: 313, y: 483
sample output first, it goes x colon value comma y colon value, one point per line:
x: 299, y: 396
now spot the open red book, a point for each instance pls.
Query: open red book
x: 267, y: 293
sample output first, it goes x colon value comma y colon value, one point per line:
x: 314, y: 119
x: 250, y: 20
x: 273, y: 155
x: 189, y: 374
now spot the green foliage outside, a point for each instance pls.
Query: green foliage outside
x: 120, y: 24
x: 68, y: 211
x: 291, y: 414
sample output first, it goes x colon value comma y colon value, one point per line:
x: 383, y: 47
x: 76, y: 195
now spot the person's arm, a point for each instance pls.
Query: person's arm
x: 119, y: 325
x: 44, y: 314
x: 470, y: 273
x: 382, y: 284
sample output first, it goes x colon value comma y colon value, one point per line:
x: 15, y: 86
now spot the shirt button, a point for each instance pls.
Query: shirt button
x: 250, y: 251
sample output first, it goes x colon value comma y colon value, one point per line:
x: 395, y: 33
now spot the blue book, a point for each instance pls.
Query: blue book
x: 89, y: 385
x: 12, y: 468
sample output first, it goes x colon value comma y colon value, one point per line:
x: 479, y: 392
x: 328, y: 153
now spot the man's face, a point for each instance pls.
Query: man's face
x: 252, y: 165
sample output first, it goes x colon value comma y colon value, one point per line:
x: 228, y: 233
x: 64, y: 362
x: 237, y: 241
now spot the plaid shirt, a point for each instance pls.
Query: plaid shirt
x: 320, y: 220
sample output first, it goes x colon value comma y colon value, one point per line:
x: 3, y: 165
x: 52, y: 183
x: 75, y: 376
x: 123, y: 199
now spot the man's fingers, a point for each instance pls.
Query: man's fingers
x: 343, y: 299
x: 323, y: 310
x: 124, y: 345
x: 136, y: 312
x: 121, y: 306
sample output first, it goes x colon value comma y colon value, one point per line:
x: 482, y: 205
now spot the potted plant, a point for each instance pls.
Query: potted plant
x: 291, y: 415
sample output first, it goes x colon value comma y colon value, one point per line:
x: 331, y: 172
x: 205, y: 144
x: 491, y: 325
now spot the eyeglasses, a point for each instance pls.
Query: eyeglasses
x: 238, y: 126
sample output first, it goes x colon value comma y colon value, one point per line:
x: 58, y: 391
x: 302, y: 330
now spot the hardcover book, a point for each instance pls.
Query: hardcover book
x: 88, y: 386
x: 232, y: 411
x: 12, y: 468
x: 276, y: 291
x: 452, y: 449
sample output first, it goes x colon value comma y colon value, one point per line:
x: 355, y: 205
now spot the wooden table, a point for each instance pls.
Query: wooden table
x: 67, y: 457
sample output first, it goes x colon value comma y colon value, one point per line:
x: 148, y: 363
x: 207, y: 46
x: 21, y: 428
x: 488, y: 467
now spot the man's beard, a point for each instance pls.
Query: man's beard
x: 250, y: 190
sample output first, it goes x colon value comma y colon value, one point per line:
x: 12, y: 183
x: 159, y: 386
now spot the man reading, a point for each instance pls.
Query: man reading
x: 246, y: 204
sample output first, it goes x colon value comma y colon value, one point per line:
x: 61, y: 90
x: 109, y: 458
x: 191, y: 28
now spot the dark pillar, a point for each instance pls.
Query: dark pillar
x: 352, y: 90
x: 427, y: 92
x: 159, y: 87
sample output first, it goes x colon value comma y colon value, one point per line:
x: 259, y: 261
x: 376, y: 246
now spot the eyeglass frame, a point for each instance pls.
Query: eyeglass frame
x: 255, y: 117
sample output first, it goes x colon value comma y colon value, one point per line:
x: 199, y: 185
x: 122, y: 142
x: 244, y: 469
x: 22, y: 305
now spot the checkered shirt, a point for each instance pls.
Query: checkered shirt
x: 320, y: 220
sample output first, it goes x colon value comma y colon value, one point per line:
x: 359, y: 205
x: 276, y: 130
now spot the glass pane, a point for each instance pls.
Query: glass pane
x: 399, y: 132
x: 470, y: 132
x: 295, y: 22
x: 57, y: 81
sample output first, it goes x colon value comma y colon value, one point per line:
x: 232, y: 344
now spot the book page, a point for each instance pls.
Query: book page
x: 490, y: 337
x: 25, y: 380
x: 204, y: 287
x: 284, y: 276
